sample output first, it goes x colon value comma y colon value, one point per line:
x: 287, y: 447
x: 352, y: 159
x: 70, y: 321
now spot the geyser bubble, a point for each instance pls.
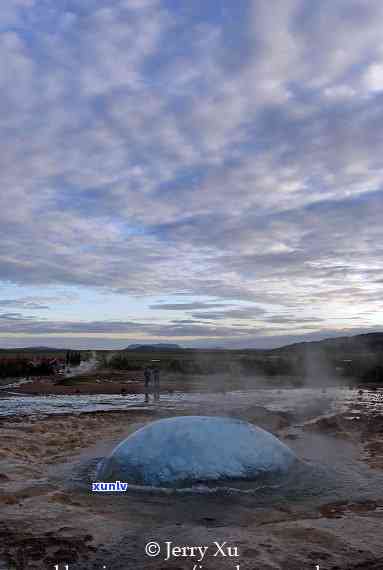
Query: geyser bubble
x: 194, y: 449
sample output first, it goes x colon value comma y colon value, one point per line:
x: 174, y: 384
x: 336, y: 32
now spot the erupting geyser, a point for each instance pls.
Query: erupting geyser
x: 193, y: 449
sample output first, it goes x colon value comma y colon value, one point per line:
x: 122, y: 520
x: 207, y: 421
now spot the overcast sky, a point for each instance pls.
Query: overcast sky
x: 204, y: 172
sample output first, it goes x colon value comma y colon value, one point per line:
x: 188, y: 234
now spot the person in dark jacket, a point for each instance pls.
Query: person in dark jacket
x: 147, y: 376
x: 147, y: 379
x: 156, y: 376
x: 156, y: 381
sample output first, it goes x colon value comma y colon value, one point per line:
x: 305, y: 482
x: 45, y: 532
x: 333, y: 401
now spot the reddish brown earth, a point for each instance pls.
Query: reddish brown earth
x: 132, y: 382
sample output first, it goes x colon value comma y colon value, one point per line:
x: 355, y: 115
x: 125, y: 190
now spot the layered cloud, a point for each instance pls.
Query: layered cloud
x: 227, y: 153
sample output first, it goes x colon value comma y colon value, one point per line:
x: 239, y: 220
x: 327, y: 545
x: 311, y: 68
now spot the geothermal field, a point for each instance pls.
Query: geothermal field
x: 279, y: 477
x: 191, y: 285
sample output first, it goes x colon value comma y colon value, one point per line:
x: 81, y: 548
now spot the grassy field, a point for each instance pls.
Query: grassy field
x: 359, y: 357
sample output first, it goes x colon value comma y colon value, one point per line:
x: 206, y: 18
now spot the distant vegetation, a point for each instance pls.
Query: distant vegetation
x: 359, y: 358
x: 39, y: 361
x: 20, y: 367
x: 157, y: 346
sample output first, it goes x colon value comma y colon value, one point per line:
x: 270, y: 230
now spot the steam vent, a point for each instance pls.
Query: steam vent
x: 193, y: 449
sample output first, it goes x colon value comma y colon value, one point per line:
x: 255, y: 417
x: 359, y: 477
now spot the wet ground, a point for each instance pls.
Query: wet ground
x: 327, y: 512
x: 300, y: 401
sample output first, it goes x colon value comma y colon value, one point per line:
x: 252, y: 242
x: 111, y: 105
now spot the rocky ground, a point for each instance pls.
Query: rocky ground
x: 48, y: 517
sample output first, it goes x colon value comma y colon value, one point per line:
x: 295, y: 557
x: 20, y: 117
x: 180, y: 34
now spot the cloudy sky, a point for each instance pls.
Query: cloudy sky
x: 207, y: 173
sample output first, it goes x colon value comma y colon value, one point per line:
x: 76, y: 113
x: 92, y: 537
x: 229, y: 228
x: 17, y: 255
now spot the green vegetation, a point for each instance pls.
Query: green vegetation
x: 359, y: 358
x: 73, y: 358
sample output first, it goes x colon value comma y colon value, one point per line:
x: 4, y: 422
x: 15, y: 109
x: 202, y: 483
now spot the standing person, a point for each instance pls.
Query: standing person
x: 156, y: 378
x: 147, y: 376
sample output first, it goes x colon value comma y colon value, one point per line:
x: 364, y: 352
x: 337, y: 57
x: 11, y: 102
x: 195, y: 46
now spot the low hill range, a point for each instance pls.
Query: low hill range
x: 156, y: 346
x: 367, y: 342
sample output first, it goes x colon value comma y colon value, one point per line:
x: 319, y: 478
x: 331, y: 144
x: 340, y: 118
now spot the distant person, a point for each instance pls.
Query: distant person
x: 147, y: 380
x: 147, y: 376
x: 156, y: 377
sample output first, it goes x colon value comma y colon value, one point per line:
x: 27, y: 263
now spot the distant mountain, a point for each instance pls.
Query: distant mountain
x: 157, y: 346
x: 368, y: 342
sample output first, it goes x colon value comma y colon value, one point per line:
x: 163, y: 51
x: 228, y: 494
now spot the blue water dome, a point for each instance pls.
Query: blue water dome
x: 194, y: 449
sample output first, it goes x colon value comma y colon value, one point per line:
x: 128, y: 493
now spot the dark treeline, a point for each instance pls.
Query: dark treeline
x: 169, y: 363
x: 14, y: 368
x: 72, y: 358
x: 35, y: 365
